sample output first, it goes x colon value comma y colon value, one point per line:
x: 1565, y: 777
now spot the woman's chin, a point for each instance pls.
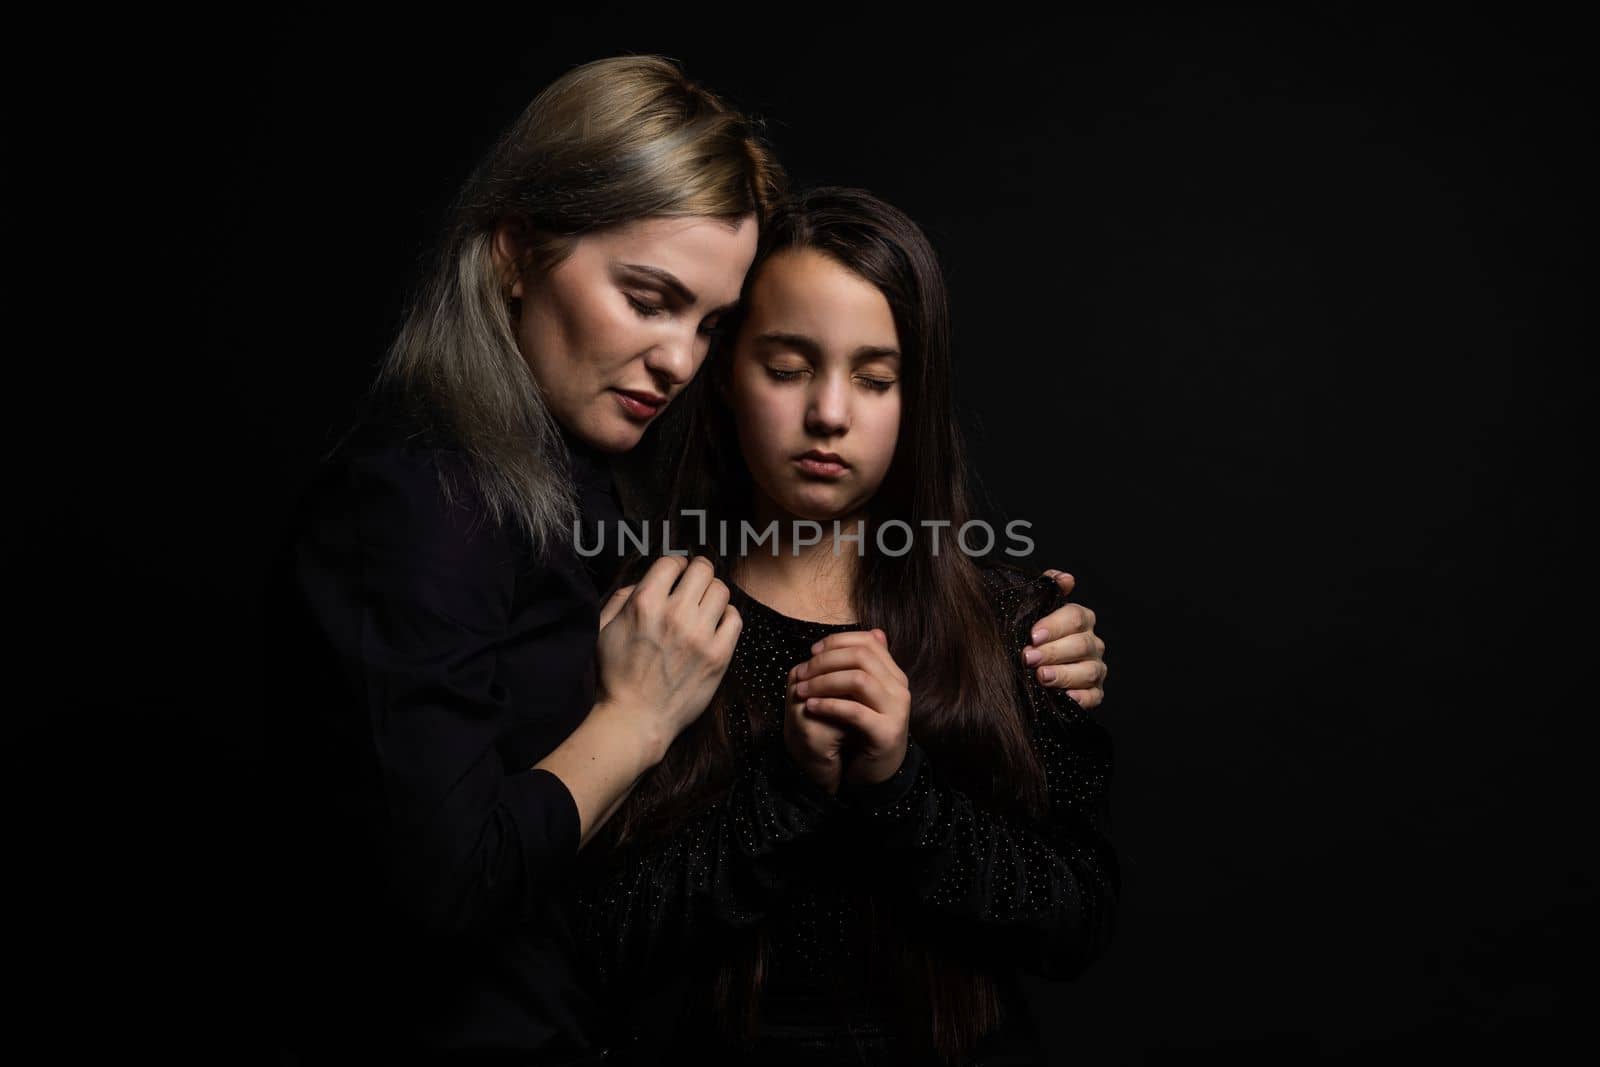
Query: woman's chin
x: 611, y: 435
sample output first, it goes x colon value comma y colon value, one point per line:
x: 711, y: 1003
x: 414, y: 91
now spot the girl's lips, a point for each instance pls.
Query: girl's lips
x: 636, y: 407
x: 822, y: 468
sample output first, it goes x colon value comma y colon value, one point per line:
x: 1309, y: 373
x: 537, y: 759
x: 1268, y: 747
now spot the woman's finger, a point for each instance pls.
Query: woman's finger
x: 614, y: 604
x: 1087, y: 699
x: 657, y: 582
x: 692, y: 585
x: 1074, y: 648
x: 1064, y: 581
x: 1067, y: 619
x: 1088, y: 674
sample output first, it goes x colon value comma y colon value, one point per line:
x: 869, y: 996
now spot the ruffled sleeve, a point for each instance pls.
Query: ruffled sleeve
x: 1037, y: 893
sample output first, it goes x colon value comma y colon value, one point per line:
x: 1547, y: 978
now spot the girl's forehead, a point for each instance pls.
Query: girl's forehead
x: 803, y: 293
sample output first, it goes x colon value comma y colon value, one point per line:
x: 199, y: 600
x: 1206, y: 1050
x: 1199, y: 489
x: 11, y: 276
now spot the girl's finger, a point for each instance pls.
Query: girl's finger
x: 840, y: 712
x: 866, y: 641
x: 850, y: 684
x: 853, y: 657
x: 843, y: 640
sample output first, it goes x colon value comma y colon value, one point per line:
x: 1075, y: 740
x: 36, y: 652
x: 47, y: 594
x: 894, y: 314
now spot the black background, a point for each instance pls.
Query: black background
x: 1268, y: 323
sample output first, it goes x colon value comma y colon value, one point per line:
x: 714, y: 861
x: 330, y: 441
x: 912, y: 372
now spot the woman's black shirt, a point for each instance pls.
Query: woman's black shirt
x: 421, y: 661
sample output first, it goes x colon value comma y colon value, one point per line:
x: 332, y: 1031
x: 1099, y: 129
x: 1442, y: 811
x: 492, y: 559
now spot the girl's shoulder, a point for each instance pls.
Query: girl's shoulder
x: 1019, y: 597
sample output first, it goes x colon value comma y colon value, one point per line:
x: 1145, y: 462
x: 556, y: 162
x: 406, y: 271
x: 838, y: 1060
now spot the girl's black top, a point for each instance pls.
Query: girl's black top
x: 823, y: 880
x: 421, y: 659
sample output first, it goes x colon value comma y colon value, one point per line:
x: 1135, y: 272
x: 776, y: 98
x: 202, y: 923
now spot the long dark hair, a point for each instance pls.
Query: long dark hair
x: 931, y: 605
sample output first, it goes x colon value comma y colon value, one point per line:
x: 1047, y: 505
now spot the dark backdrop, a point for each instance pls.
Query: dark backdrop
x: 1268, y: 324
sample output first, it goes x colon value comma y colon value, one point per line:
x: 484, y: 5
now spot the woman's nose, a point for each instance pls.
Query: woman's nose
x: 676, y: 358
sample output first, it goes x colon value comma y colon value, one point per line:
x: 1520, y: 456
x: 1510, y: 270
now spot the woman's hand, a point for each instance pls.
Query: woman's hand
x: 1065, y: 652
x: 664, y: 645
x: 853, y: 683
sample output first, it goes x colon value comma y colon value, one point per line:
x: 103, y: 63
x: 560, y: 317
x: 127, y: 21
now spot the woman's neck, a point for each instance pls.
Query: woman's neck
x: 803, y: 581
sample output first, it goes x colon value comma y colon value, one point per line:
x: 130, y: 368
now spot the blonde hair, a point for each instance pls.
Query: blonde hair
x: 614, y: 140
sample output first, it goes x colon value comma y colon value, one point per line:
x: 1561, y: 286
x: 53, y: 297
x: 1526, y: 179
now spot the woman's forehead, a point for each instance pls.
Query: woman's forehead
x: 706, y: 257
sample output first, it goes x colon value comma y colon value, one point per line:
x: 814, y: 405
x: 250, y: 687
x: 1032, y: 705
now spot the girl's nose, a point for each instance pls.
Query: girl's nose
x: 828, y: 412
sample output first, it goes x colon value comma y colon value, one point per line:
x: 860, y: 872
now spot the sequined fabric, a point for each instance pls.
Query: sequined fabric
x: 823, y: 878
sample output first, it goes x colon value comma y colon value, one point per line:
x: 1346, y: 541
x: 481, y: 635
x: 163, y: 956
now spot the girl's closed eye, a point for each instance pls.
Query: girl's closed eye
x: 877, y: 385
x: 784, y: 374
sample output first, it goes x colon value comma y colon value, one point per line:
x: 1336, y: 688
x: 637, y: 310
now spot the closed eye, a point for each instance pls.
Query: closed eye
x: 646, y: 311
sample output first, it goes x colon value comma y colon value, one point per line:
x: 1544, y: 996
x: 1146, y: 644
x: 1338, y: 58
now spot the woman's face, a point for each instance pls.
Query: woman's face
x: 814, y: 386
x: 620, y: 326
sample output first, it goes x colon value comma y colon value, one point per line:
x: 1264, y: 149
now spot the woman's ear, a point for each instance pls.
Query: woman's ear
x: 510, y: 250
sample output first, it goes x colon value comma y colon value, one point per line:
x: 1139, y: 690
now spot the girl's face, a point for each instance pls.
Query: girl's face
x: 620, y: 326
x: 814, y: 386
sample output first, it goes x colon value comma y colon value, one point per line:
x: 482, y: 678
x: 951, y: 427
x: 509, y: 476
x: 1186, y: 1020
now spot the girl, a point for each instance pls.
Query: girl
x: 884, y: 816
x: 449, y: 726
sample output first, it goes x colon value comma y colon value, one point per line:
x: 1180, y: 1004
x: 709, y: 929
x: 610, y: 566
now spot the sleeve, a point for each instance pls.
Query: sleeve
x: 1041, y: 893
x: 412, y: 596
x: 721, y: 868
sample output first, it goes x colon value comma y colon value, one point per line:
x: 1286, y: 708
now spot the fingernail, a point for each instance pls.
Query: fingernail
x: 1052, y: 572
x: 1047, y: 674
x: 800, y: 690
x: 1031, y: 656
x: 800, y: 672
x: 1039, y: 635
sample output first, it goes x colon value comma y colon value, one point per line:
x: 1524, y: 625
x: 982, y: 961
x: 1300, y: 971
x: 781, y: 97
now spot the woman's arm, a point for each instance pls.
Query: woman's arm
x: 1040, y: 894
x: 408, y: 600
x: 640, y: 908
x: 663, y: 647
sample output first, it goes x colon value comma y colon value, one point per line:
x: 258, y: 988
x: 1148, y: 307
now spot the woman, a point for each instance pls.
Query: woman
x: 449, y: 723
x: 884, y: 816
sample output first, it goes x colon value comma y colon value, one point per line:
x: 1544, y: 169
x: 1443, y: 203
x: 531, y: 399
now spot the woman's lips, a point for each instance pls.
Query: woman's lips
x: 641, y: 406
x: 822, y: 466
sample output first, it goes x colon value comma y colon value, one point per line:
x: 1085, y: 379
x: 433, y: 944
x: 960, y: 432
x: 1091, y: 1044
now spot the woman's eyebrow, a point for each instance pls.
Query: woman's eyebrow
x: 670, y: 280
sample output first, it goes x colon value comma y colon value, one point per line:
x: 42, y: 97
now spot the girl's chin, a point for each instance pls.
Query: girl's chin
x: 817, y: 506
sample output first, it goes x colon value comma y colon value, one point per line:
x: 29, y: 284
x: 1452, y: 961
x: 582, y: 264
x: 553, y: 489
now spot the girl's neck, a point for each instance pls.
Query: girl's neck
x: 805, y: 581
